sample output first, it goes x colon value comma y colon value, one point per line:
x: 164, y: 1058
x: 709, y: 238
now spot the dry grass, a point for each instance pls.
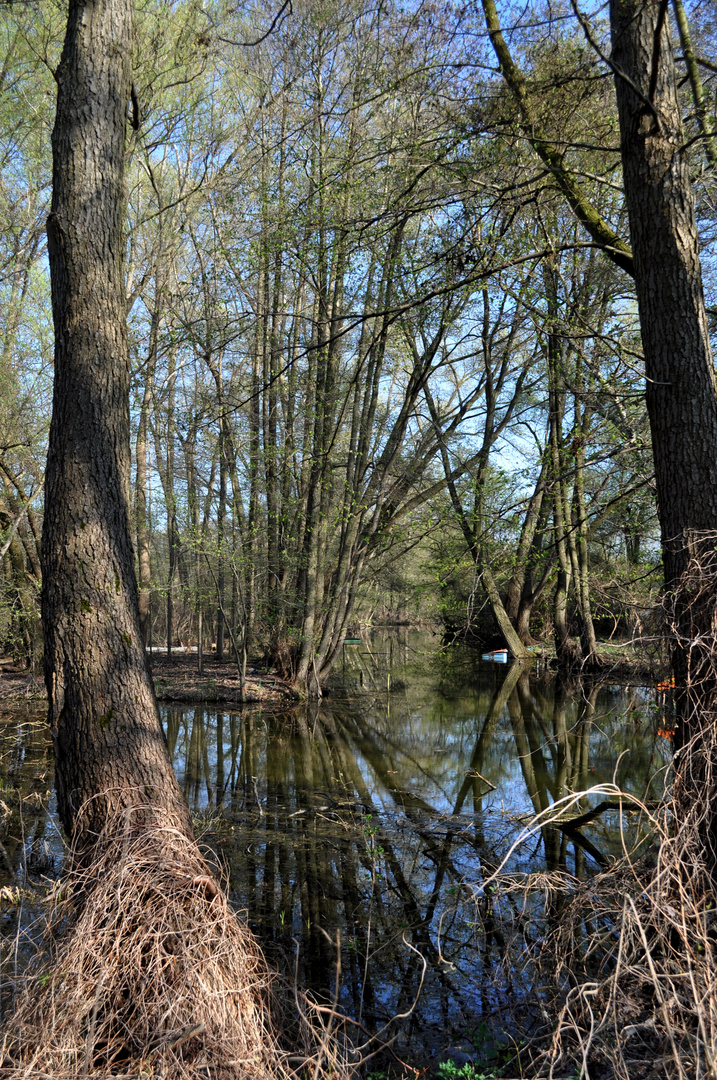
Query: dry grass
x: 631, y: 954
x: 626, y: 960
x: 148, y: 972
x: 646, y: 938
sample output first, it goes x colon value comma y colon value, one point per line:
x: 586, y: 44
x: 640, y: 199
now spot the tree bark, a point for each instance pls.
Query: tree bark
x: 680, y: 380
x: 109, y: 745
x: 141, y: 500
x: 221, y: 514
x: 581, y: 427
x: 680, y: 390
x: 565, y: 648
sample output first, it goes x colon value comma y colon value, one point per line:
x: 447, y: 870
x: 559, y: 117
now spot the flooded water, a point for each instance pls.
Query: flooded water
x: 355, y: 833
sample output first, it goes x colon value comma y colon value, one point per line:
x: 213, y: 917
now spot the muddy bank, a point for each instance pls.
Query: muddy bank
x: 175, y: 679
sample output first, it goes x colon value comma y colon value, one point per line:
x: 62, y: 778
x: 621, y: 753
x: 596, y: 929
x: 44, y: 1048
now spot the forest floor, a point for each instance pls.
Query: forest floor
x: 627, y: 662
x: 175, y: 679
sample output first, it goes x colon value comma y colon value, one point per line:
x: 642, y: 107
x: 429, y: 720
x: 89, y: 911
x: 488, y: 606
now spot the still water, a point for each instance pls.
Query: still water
x: 355, y: 833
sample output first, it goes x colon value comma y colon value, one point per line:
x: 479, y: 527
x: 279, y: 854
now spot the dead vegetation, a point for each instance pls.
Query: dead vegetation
x: 628, y: 958
x: 148, y: 972
x: 626, y: 961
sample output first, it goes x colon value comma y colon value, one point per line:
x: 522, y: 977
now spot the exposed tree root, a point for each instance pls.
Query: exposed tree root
x: 150, y: 973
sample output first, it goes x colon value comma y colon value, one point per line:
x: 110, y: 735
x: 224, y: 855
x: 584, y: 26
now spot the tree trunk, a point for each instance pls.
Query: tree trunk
x: 190, y: 451
x: 522, y: 554
x: 680, y: 379
x: 565, y: 648
x: 171, y: 503
x: 633, y: 539
x: 539, y: 567
x: 252, y: 524
x: 581, y: 427
x: 141, y: 501
x: 680, y: 390
x: 108, y: 741
x: 221, y: 512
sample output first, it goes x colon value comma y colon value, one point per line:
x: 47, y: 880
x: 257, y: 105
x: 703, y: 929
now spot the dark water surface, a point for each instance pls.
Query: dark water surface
x: 358, y: 831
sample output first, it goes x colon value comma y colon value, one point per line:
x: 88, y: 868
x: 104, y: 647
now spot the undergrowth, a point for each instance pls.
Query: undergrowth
x: 147, y: 972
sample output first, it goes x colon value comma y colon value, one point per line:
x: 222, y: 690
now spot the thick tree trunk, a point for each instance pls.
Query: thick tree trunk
x: 109, y: 744
x: 680, y: 384
x: 680, y: 389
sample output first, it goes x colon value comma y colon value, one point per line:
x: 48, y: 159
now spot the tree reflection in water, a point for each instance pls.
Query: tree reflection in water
x: 365, y: 816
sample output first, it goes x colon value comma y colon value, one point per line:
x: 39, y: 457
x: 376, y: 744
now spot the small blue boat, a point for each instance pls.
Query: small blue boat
x: 498, y: 656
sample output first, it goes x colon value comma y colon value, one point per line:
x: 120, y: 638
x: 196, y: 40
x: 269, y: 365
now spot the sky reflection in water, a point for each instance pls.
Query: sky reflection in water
x: 364, y: 817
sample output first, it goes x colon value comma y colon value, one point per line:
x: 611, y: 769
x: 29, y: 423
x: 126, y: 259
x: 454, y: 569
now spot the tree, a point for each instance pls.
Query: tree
x: 664, y: 260
x: 109, y: 744
x: 147, y: 926
x: 681, y: 390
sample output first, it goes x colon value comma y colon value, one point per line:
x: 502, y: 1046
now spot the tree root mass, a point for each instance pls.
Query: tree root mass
x: 151, y: 974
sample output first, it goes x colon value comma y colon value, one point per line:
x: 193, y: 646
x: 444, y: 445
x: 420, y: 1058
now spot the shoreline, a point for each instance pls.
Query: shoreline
x: 176, y: 680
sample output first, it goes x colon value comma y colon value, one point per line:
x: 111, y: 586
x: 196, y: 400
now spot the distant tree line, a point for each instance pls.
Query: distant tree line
x: 376, y: 341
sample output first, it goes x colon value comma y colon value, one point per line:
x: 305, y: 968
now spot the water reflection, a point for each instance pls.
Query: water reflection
x: 364, y: 817
x: 361, y: 820
x: 26, y: 775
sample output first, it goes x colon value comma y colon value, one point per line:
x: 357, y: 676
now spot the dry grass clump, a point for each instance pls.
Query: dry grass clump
x: 638, y: 946
x: 149, y: 973
x: 627, y: 959
x: 635, y: 949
